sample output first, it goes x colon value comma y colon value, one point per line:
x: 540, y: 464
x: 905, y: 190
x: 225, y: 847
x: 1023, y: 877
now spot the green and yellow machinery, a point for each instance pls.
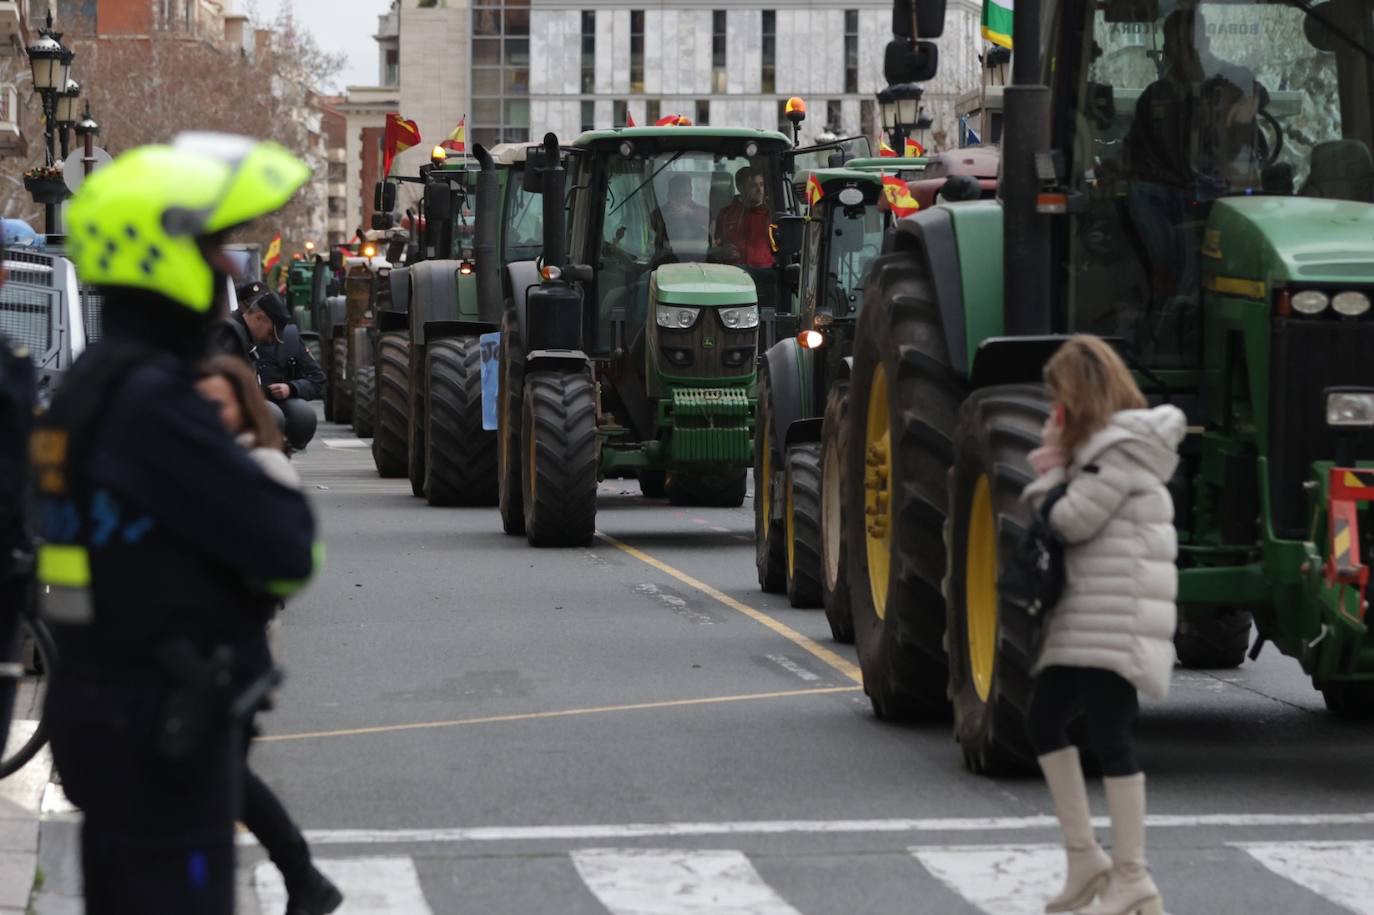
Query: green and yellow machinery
x: 1193, y: 182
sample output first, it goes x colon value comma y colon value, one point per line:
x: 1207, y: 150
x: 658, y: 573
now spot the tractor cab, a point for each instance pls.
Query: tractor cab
x: 844, y: 232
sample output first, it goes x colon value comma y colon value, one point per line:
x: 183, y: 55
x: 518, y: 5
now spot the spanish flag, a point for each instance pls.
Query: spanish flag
x: 887, y: 152
x: 273, y: 255
x: 400, y: 135
x: 898, y: 195
x: 814, y: 191
x: 629, y: 118
x: 914, y: 150
x: 457, y: 141
x: 673, y: 120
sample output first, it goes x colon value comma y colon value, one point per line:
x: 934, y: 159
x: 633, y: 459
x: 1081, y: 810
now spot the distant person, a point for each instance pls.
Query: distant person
x: 681, y: 221
x: 289, y: 375
x: 1109, y: 458
x: 742, y: 224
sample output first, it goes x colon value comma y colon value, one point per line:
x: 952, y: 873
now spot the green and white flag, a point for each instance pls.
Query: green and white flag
x: 997, y: 21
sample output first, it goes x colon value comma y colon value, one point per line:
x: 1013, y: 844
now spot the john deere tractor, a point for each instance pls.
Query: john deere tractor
x: 1194, y: 183
x: 635, y: 352
x: 803, y: 393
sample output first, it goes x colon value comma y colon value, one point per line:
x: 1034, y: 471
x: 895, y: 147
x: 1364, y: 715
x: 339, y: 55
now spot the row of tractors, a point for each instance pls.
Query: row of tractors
x: 882, y: 376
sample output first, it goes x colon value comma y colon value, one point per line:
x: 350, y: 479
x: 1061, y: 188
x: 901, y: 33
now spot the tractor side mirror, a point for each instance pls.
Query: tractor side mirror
x: 438, y: 202
x: 910, y: 62
x: 929, y: 18
x: 336, y: 259
x: 535, y: 163
x: 787, y: 236
x: 384, y: 199
x: 791, y: 275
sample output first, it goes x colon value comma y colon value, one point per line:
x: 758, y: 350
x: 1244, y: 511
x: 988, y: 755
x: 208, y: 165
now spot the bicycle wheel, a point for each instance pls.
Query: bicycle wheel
x: 44, y: 657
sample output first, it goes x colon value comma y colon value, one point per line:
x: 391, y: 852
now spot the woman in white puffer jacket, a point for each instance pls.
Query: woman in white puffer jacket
x: 1112, y: 632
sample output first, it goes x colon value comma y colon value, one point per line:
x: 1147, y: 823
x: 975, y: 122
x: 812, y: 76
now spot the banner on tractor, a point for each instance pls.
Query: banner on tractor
x: 997, y: 19
x: 489, y: 345
x: 400, y: 135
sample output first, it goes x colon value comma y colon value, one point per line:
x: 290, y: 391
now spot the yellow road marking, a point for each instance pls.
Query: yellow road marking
x: 560, y: 713
x: 844, y: 666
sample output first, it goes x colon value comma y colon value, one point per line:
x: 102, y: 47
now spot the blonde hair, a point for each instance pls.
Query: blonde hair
x: 1092, y: 382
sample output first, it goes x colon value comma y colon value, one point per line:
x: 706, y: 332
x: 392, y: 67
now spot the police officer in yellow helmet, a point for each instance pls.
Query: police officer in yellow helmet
x: 164, y: 546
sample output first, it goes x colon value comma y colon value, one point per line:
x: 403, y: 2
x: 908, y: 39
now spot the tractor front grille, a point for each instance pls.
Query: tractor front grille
x: 1308, y: 356
x: 707, y: 349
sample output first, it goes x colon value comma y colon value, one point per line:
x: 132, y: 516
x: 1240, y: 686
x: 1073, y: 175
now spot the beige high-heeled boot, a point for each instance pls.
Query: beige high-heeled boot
x: 1130, y: 891
x: 1088, y: 864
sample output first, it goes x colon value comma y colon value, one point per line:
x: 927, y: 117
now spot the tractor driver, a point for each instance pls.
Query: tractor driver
x: 680, y: 221
x: 742, y: 225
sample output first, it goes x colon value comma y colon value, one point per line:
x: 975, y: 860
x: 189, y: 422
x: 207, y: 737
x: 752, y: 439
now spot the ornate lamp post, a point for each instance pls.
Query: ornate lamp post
x: 901, y: 112
x: 87, y: 129
x: 51, y: 62
x: 68, y: 111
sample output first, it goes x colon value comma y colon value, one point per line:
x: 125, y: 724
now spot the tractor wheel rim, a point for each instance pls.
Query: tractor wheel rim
x: 789, y: 529
x: 878, y: 515
x: 830, y: 515
x: 980, y: 588
x: 766, y: 484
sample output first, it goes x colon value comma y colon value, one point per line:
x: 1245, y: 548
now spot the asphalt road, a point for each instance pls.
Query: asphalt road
x: 470, y: 725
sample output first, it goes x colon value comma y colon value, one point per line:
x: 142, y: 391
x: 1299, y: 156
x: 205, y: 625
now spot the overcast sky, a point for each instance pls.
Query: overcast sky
x: 345, y: 26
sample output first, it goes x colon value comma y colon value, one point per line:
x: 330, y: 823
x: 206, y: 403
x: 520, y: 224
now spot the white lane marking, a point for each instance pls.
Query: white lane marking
x: 371, y: 886
x: 668, y: 882
x: 1340, y: 872
x: 998, y: 879
x: 792, y: 667
x: 676, y: 604
x: 720, y: 530
x: 347, y: 442
x: 813, y: 827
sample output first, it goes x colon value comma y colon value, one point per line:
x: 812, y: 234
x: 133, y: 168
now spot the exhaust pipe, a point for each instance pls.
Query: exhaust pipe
x: 490, y: 295
x: 555, y: 235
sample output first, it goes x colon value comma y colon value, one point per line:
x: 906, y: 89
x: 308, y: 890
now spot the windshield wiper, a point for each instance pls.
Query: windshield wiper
x: 677, y: 155
x: 1330, y: 26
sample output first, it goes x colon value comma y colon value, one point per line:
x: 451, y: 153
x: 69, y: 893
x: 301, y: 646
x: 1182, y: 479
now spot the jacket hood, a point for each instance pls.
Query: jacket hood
x: 1149, y: 437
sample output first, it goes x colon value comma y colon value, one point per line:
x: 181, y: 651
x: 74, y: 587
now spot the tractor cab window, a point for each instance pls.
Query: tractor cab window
x: 856, y: 238
x: 1181, y: 107
x: 523, y: 227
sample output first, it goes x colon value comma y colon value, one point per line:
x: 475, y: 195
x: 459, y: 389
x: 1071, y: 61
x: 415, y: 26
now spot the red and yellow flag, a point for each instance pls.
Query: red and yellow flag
x: 673, y: 120
x: 629, y: 118
x: 898, y: 196
x: 273, y: 255
x: 914, y: 149
x: 400, y: 136
x: 887, y: 152
x: 457, y: 141
x: 814, y: 191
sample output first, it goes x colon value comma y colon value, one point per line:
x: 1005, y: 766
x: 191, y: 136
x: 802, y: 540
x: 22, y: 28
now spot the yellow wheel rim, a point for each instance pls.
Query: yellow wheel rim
x: 830, y: 515
x: 788, y: 527
x: 878, y: 515
x: 980, y: 588
x: 765, y: 486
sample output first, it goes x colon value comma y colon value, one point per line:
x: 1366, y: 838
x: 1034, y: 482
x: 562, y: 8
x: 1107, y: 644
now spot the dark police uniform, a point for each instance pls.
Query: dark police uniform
x: 165, y: 549
x: 287, y: 362
x: 17, y: 397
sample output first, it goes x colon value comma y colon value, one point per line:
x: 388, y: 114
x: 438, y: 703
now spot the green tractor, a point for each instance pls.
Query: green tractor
x: 300, y: 301
x: 803, y: 390
x: 635, y: 353
x: 1193, y: 182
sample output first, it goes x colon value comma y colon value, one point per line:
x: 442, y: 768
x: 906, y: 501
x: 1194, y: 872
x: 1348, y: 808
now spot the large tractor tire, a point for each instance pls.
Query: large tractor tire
x: 460, y: 456
x: 904, y: 398
x: 364, y: 401
x: 341, y: 387
x: 511, y: 389
x: 415, y: 427
x: 802, y: 524
x: 389, y: 445
x: 992, y: 642
x: 326, y: 361
x: 834, y: 564
x: 724, y: 489
x: 770, y: 543
x: 653, y: 484
x: 1216, y: 642
x: 561, y: 459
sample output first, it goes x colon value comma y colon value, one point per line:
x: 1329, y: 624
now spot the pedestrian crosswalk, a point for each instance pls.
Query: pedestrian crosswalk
x: 1332, y: 877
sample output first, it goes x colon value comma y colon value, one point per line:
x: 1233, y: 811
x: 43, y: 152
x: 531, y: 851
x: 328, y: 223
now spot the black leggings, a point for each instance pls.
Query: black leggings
x: 1107, y: 701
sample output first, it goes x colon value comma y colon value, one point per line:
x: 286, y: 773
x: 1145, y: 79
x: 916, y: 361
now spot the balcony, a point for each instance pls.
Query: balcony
x: 12, y: 142
x: 11, y: 28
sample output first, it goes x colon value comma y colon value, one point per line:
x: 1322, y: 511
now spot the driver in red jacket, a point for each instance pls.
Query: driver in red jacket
x: 742, y: 225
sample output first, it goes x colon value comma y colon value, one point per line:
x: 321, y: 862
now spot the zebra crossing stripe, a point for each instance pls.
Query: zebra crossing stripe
x: 1340, y: 872
x: 677, y: 882
x: 371, y: 886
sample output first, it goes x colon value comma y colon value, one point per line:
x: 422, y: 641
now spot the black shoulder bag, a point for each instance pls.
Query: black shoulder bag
x: 1033, y: 577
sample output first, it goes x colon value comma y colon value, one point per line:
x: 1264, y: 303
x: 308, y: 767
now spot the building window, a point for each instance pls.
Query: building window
x: 620, y: 110
x: 851, y: 51
x: 500, y: 58
x: 636, y: 51
x: 868, y: 121
x: 393, y: 68
x: 652, y: 111
x: 589, y: 115
x: 770, y: 51
x: 833, y: 118
x: 588, y: 50
x: 784, y: 125
x: 719, y: 80
x: 703, y: 112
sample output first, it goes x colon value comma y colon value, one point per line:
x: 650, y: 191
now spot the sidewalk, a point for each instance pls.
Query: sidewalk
x: 21, y: 799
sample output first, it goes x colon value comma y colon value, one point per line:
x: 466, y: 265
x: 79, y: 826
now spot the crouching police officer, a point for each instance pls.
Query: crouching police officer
x: 151, y: 520
x: 289, y: 375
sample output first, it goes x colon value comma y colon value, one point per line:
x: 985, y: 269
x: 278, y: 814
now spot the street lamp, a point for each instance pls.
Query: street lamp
x: 88, y: 129
x: 901, y: 110
x: 51, y: 62
x: 67, y: 112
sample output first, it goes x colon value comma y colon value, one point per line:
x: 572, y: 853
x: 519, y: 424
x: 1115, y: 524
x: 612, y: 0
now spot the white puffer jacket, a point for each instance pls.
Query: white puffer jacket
x: 1118, y: 610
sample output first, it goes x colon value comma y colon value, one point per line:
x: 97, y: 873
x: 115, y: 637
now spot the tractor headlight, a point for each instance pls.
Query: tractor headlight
x: 1350, y: 304
x: 675, y: 317
x: 1350, y: 409
x: 742, y: 318
x: 1310, y: 302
